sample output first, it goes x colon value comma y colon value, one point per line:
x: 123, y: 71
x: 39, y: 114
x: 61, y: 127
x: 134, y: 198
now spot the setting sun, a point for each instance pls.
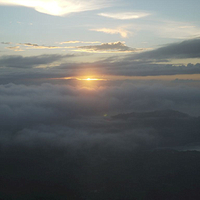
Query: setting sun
x: 89, y: 79
x: 92, y: 79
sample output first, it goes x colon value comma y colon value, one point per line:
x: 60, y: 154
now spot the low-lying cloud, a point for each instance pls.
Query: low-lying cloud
x: 60, y: 141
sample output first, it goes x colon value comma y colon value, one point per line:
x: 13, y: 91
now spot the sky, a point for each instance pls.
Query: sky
x: 99, y: 99
x: 57, y: 33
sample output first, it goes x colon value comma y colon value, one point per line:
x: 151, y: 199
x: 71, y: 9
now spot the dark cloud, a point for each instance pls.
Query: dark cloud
x: 182, y: 50
x: 115, y: 46
x: 39, y: 46
x: 140, y: 68
x: 12, y: 68
x: 160, y: 121
x: 30, y: 44
x: 29, y: 62
x: 59, y: 141
x: 137, y: 64
x: 6, y: 43
x: 60, y: 104
x: 126, y: 67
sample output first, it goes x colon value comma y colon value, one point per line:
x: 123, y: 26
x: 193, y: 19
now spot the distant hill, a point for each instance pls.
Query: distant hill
x: 153, y: 114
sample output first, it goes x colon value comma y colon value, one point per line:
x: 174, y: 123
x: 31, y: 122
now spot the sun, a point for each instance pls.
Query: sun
x: 86, y: 79
x: 91, y: 79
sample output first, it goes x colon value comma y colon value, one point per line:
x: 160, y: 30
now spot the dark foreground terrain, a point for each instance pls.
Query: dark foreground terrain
x: 160, y: 174
x: 135, y: 156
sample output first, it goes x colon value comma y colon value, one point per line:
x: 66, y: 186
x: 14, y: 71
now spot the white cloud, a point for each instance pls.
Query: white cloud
x: 59, y: 7
x: 125, y: 15
x: 80, y: 42
x: 123, y: 32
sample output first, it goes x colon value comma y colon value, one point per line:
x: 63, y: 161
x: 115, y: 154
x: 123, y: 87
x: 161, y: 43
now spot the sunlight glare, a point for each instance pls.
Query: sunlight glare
x: 89, y: 79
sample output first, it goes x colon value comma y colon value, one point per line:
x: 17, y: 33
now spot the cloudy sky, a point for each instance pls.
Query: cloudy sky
x: 103, y: 38
x: 89, y: 85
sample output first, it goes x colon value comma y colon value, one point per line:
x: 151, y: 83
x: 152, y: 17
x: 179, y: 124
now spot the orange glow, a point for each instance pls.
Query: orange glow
x: 81, y: 79
x: 90, y: 79
x: 113, y: 78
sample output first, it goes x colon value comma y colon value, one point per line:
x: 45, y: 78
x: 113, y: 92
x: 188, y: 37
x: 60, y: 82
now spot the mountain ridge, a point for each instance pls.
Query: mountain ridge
x: 168, y: 113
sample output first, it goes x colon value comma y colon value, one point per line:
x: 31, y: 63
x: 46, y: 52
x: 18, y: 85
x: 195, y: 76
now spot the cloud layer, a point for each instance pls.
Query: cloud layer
x: 29, y: 62
x: 138, y: 63
x: 182, y: 50
x: 59, y: 140
x: 59, y: 137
